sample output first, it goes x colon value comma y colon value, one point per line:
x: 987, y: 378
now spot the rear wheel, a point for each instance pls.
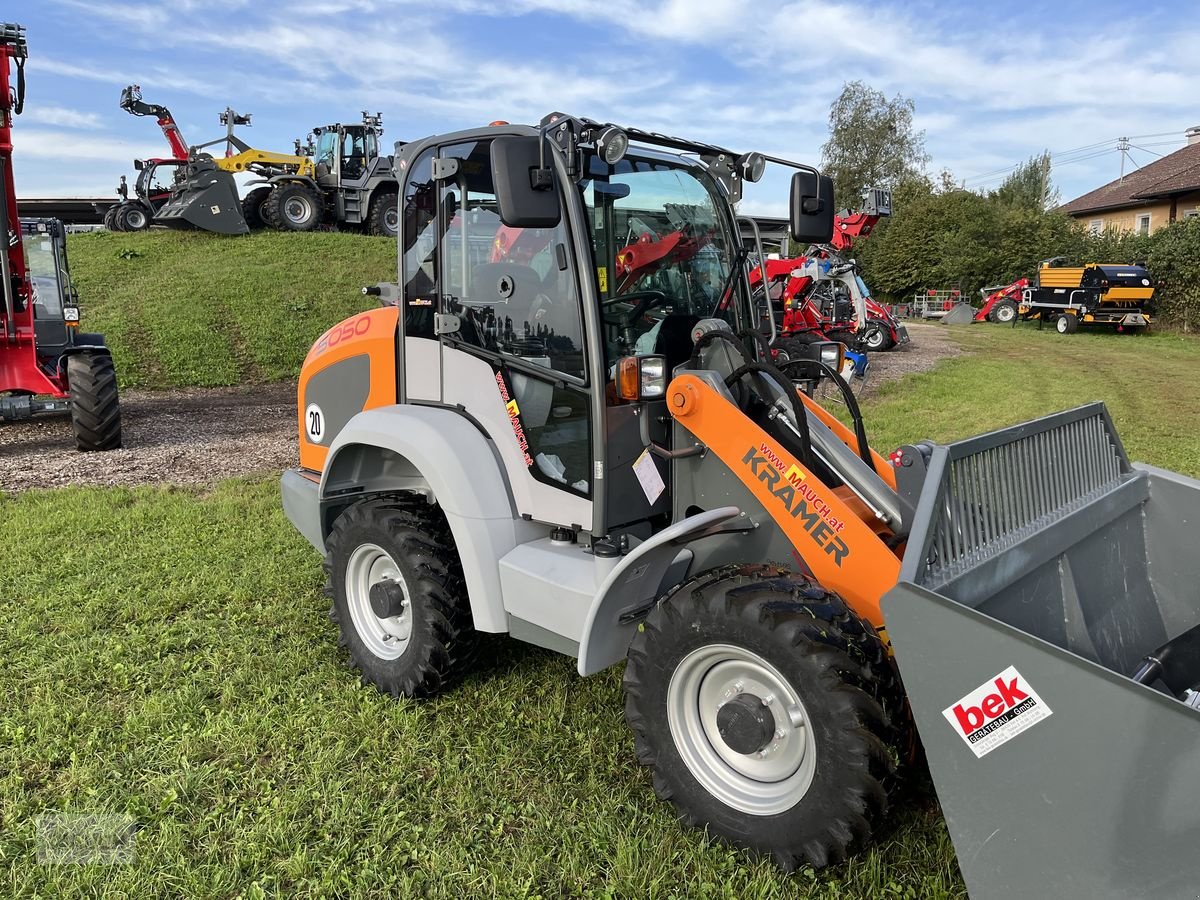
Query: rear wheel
x: 767, y: 712
x: 385, y: 215
x: 1066, y: 324
x: 95, y: 407
x: 293, y: 207
x: 252, y: 205
x: 109, y: 215
x: 399, y: 598
x: 1003, y: 312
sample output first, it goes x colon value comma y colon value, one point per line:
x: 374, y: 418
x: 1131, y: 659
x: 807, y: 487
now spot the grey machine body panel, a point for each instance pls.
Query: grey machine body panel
x: 1070, y: 574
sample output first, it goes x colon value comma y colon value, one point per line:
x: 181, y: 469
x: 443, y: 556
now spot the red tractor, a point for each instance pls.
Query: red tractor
x: 46, y: 364
x: 821, y: 295
x: 155, y: 176
x: 1002, y: 304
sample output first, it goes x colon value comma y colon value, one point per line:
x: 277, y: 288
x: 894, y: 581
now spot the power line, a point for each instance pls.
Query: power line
x: 1144, y: 150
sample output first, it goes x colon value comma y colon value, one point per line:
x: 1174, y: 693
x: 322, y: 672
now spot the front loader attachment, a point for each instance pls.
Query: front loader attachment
x: 1042, y: 625
x: 207, y: 199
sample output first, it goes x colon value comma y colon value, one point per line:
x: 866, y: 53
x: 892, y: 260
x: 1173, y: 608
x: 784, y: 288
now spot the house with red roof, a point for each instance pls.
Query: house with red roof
x: 1147, y: 198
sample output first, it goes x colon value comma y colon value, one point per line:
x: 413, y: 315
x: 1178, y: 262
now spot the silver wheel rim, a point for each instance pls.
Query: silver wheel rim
x: 391, y: 219
x: 874, y: 338
x: 369, y: 565
x: 765, y: 783
x: 1005, y: 314
x: 1062, y: 325
x: 135, y: 219
x: 297, y: 210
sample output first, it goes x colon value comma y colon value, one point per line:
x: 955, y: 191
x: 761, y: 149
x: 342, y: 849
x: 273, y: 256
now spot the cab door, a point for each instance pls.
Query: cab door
x: 512, y: 342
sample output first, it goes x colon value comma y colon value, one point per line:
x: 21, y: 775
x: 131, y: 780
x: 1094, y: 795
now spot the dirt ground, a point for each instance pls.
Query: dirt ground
x: 200, y: 436
x: 194, y: 436
x: 928, y: 344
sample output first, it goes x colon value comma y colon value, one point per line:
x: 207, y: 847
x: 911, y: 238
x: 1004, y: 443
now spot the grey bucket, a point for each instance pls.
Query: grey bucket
x: 207, y: 199
x: 1042, y: 567
x: 960, y: 314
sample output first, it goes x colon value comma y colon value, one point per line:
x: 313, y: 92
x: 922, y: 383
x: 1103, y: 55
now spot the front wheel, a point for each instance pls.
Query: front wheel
x: 766, y: 710
x: 399, y: 597
x: 252, y: 205
x: 95, y: 406
x: 1066, y: 324
x: 293, y: 206
x: 878, y: 339
x: 1003, y: 312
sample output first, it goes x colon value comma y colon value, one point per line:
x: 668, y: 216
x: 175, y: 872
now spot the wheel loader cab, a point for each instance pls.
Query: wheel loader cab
x: 344, y: 153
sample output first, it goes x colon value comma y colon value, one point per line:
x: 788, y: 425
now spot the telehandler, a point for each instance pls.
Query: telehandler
x: 47, y: 365
x: 525, y: 441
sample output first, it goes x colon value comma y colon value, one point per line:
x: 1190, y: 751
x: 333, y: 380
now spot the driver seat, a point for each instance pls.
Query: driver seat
x: 674, y: 339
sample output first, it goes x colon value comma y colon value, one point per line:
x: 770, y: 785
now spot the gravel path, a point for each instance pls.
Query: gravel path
x: 203, y: 435
x: 194, y: 436
x: 927, y: 346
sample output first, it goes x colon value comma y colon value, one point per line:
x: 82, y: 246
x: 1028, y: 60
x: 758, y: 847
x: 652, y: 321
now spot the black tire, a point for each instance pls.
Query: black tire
x: 384, y: 219
x: 441, y: 635
x: 95, y: 407
x: 1066, y: 324
x: 252, y: 205
x: 293, y: 206
x: 877, y: 339
x: 794, y: 347
x: 132, y: 216
x: 1003, y: 312
x: 109, y: 215
x: 834, y: 662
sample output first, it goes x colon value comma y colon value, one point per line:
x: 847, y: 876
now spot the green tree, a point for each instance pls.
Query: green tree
x: 1029, y: 185
x: 872, y: 142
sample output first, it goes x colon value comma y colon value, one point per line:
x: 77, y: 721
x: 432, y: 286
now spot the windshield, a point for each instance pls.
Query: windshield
x: 326, y: 147
x: 663, y: 252
x: 42, y: 264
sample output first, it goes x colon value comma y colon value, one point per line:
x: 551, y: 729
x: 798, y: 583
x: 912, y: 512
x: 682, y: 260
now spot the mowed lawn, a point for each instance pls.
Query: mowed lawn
x: 191, y: 308
x: 167, y: 655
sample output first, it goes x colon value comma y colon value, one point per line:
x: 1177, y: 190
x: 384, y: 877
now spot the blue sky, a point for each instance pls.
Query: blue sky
x: 994, y: 83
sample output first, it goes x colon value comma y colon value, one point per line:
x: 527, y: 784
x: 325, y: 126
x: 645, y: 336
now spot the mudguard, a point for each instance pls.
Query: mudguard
x: 440, y: 453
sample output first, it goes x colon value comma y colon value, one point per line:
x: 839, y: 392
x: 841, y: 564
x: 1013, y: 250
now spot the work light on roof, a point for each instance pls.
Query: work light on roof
x: 612, y: 144
x: 752, y: 166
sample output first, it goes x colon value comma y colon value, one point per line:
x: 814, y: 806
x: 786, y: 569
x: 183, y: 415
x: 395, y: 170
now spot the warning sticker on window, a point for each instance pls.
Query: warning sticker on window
x: 602, y: 277
x: 996, y: 712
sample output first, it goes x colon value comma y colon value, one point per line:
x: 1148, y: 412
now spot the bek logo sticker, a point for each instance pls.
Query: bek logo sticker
x: 996, y: 712
x: 314, y: 423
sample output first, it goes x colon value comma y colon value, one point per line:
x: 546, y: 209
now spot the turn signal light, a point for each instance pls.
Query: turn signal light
x: 641, y: 378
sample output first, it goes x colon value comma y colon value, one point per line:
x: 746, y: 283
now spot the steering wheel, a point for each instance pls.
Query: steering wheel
x: 645, y: 301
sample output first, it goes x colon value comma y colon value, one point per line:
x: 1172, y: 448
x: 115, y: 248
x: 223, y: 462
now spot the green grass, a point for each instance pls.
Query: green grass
x: 1151, y: 384
x: 172, y: 660
x: 191, y: 308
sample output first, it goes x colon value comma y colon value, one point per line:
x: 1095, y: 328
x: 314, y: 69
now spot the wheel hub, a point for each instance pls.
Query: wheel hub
x: 387, y: 599
x: 741, y: 729
x: 378, y: 602
x: 745, y: 724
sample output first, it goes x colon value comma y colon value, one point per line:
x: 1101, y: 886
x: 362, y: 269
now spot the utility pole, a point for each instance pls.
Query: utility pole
x: 1123, y: 145
x: 1045, y: 180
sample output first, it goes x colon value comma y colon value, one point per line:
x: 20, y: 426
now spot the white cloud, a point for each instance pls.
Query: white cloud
x: 67, y: 118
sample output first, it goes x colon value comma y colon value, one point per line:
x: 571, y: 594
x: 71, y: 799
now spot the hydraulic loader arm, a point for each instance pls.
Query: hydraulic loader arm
x: 132, y: 103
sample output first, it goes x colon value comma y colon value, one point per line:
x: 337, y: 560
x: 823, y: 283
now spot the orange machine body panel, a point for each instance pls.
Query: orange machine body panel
x: 359, y: 352
x: 842, y: 550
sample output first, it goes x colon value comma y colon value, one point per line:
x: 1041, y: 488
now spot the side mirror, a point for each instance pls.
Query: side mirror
x: 139, y: 164
x: 526, y: 197
x: 811, y: 208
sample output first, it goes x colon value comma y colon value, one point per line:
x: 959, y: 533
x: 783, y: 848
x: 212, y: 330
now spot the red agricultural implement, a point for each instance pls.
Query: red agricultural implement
x: 46, y: 364
x: 1002, y: 304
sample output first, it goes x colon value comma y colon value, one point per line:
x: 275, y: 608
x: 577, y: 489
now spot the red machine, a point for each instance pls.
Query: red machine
x: 46, y: 365
x: 827, y: 299
x: 150, y: 190
x: 1002, y: 303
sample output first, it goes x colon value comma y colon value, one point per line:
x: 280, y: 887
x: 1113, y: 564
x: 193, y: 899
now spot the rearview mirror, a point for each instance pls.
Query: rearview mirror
x: 527, y: 196
x: 811, y: 208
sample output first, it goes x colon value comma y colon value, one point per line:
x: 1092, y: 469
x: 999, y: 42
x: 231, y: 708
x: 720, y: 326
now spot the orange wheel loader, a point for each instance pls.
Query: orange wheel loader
x: 600, y: 459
